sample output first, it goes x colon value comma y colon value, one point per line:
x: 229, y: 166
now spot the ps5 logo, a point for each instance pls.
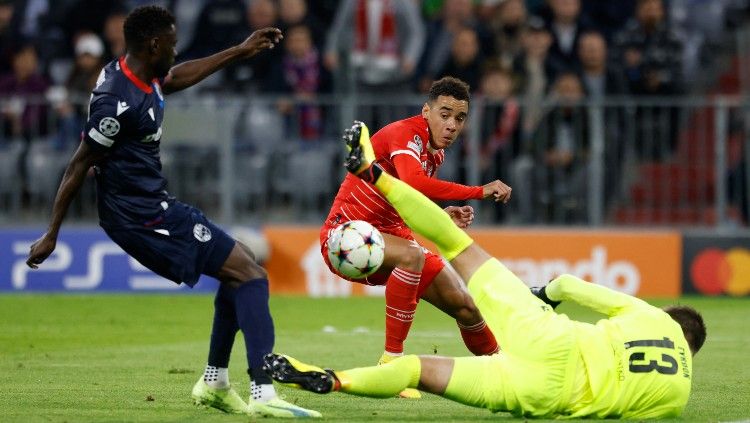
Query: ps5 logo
x: 60, y: 266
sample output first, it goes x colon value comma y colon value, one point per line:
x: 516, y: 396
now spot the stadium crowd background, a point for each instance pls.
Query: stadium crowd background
x: 595, y: 112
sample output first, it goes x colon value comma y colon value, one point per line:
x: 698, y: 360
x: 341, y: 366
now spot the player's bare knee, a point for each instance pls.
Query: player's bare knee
x: 255, y: 271
x: 247, y: 250
x: 412, y: 260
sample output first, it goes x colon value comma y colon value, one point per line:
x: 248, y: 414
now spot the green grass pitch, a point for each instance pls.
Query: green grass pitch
x: 134, y: 358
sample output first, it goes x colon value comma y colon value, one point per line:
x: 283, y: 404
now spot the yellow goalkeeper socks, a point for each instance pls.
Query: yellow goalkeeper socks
x: 423, y: 216
x: 384, y: 381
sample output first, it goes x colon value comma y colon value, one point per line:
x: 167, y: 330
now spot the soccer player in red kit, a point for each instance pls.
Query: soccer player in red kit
x: 412, y: 150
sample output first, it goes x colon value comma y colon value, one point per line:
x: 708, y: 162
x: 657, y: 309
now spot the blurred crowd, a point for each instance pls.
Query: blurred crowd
x: 515, y: 54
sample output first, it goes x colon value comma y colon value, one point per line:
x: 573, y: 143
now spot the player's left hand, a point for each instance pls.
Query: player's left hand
x: 260, y: 40
x: 462, y: 216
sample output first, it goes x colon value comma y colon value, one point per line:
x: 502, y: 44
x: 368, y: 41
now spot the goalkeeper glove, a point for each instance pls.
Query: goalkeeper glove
x: 540, y: 292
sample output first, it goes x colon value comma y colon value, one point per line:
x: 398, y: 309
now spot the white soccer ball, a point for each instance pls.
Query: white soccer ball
x: 356, y: 249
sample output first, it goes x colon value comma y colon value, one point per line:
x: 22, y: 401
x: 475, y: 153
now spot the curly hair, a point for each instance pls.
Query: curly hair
x: 144, y: 23
x: 692, y: 325
x: 449, y: 86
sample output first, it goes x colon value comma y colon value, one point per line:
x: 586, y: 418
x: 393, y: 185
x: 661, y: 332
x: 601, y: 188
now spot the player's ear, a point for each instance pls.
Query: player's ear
x: 153, y: 45
x: 425, y: 110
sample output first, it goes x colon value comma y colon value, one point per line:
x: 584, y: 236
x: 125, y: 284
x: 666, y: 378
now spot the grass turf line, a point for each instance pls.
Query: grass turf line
x: 134, y: 358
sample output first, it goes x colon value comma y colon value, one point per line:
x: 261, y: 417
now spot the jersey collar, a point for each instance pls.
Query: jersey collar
x: 134, y: 79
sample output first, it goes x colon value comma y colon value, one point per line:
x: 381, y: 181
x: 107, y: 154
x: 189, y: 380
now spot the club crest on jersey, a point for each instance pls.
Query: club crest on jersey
x: 201, y: 233
x: 415, y: 144
x: 109, y: 126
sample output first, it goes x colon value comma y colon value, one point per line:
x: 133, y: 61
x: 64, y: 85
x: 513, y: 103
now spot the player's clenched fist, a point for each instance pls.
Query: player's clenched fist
x: 497, y: 190
x: 462, y: 216
x: 260, y: 40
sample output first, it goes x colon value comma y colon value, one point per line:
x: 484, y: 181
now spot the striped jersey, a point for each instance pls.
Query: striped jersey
x: 402, y: 148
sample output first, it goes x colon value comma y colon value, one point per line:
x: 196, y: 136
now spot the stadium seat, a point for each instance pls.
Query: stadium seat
x: 251, y: 180
x: 311, y: 177
x: 44, y: 166
x: 10, y: 181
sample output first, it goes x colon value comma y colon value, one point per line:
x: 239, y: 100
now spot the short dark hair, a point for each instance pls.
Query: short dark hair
x: 449, y: 86
x: 144, y: 23
x: 692, y: 325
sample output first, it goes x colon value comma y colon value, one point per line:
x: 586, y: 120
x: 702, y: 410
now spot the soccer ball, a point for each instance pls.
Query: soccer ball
x: 356, y: 249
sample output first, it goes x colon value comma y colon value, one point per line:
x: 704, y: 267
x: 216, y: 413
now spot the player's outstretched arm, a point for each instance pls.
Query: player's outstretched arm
x: 411, y: 172
x: 596, y: 297
x: 75, y: 174
x: 189, y: 73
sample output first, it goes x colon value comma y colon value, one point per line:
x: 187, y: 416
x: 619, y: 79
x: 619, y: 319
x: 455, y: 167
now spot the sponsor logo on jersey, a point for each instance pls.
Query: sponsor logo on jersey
x: 201, y: 232
x: 109, y: 126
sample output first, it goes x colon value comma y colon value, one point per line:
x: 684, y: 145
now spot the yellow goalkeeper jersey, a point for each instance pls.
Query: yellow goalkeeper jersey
x: 637, y: 361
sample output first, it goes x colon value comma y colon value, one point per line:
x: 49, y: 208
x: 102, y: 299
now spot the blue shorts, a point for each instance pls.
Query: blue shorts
x: 180, y: 245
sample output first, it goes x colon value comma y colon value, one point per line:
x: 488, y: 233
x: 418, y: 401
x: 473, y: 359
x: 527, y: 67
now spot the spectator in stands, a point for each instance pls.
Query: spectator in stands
x: 651, y: 52
x: 383, y: 41
x: 565, y: 25
x: 507, y: 24
x: 186, y: 14
x: 598, y: 79
x: 609, y: 17
x: 254, y: 74
x: 455, y: 15
x: 533, y: 71
x: 114, y: 35
x: 221, y: 23
x: 24, y: 112
x: 89, y: 16
x: 295, y: 12
x: 601, y: 80
x: 500, y: 126
x: 465, y: 61
x: 300, y: 73
x: 552, y: 170
x: 381, y: 57
x: 8, y: 35
x: 72, y: 107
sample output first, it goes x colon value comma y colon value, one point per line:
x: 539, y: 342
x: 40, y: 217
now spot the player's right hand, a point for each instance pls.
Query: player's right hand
x: 497, y: 190
x: 260, y: 40
x: 40, y: 250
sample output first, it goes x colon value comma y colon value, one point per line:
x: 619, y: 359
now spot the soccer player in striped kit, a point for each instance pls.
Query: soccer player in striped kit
x: 412, y: 150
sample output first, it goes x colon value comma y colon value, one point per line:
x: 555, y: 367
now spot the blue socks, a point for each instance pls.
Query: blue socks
x: 254, y: 319
x: 224, y: 329
x: 244, y: 308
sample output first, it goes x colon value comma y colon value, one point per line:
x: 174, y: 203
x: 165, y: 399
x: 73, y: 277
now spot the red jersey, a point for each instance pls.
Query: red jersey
x: 402, y: 149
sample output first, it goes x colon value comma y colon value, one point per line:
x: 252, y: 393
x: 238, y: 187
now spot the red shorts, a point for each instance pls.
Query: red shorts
x: 433, y: 263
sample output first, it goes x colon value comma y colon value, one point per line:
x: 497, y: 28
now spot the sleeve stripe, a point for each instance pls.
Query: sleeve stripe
x: 409, y: 152
x: 101, y: 139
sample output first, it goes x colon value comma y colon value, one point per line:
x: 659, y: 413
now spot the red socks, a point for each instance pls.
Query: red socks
x: 400, y: 305
x: 478, y: 338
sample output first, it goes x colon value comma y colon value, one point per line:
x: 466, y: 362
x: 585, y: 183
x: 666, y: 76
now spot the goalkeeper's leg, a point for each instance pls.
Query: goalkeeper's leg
x: 473, y: 381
